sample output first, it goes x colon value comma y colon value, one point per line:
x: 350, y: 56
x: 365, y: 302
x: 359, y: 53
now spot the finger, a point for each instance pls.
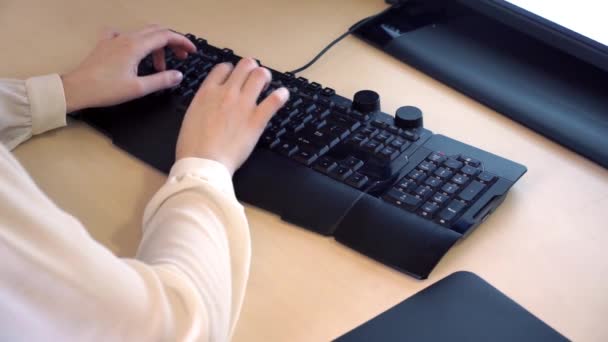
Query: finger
x: 159, y: 81
x: 158, y: 57
x: 180, y: 54
x: 219, y: 74
x: 241, y: 73
x: 258, y: 79
x: 108, y: 33
x: 159, y: 39
x: 271, y: 104
x: 148, y: 29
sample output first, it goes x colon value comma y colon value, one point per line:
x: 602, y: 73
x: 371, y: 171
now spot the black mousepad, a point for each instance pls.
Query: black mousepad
x: 460, y: 307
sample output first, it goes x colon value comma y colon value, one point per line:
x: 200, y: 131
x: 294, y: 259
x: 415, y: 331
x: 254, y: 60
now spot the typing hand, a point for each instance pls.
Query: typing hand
x: 108, y: 76
x: 224, y: 121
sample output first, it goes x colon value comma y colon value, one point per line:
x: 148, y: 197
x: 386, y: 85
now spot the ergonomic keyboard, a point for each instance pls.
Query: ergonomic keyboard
x: 382, y: 185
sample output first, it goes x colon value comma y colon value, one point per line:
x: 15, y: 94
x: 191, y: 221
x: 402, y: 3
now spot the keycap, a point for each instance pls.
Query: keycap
x: 450, y: 188
x: 406, y: 185
x: 388, y: 153
x: 406, y: 201
x: 427, y: 166
x: 286, y: 148
x: 469, y: 160
x: 460, y: 179
x: 357, y: 180
x: 305, y: 157
x: 436, y: 157
x: 384, y: 137
x: 325, y: 164
x: 400, y: 144
x: 340, y: 172
x: 417, y: 175
x: 423, y: 192
x: 469, y: 170
x: 379, y: 123
x: 370, y: 132
x: 471, y: 191
x: 433, y: 182
x: 410, y: 135
x: 486, y: 177
x: 352, y: 163
x: 358, y: 139
x: 440, y: 198
x: 393, y: 129
x: 453, y: 164
x: 372, y: 146
x: 443, y: 173
x: 268, y: 140
x: 328, y: 92
x: 428, y: 209
x: 449, y: 213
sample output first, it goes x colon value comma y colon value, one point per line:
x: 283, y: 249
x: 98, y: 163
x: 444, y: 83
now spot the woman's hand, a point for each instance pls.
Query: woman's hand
x: 224, y: 122
x: 108, y: 76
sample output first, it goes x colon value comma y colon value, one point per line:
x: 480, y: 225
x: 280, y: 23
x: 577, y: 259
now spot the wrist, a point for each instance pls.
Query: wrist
x: 73, y: 90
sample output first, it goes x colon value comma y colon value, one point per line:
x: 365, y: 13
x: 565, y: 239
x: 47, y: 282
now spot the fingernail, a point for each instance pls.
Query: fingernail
x: 177, y: 76
x: 283, y: 93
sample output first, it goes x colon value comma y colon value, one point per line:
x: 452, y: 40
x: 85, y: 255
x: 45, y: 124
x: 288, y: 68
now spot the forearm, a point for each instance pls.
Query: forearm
x: 195, y: 224
x: 30, y: 107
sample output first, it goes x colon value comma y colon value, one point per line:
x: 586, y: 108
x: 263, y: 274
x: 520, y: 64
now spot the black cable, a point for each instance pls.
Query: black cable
x: 337, y: 40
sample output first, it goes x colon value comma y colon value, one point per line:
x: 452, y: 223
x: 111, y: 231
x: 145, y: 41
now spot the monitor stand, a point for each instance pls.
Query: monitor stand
x: 539, y: 86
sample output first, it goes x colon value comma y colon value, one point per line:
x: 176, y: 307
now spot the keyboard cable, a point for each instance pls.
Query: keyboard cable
x: 337, y: 40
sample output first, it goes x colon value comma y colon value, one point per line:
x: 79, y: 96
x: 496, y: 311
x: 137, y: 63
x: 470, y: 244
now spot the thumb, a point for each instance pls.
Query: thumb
x: 159, y: 81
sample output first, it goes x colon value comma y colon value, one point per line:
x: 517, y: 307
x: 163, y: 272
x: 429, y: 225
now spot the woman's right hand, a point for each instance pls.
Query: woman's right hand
x: 224, y: 122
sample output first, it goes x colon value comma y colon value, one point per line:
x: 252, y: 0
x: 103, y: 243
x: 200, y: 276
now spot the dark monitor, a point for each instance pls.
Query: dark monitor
x: 577, y: 27
x: 530, y: 60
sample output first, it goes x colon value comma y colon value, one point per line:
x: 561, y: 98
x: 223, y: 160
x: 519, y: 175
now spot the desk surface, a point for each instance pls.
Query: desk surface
x: 545, y: 246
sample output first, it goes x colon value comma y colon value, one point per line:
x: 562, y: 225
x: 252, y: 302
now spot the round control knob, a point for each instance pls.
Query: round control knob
x: 408, y: 117
x: 366, y: 101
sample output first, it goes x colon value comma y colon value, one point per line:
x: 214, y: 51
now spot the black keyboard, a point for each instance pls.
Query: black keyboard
x: 383, y: 185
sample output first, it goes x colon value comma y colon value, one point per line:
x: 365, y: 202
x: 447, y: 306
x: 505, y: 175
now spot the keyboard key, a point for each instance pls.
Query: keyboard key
x: 469, y: 161
x: 344, y: 121
x: 428, y: 209
x: 388, y: 154
x: 325, y: 164
x: 406, y: 201
x: 357, y: 180
x: 471, y: 191
x: 370, y: 132
x: 379, y: 123
x: 358, y: 139
x: 469, y: 170
x: 436, y: 157
x: 287, y: 148
x: 268, y: 140
x: 328, y: 92
x: 305, y: 157
x: 450, y: 188
x: 440, y: 198
x: 400, y: 144
x: 427, y: 166
x: 337, y: 131
x: 443, y: 173
x: 352, y: 163
x: 447, y: 215
x: 406, y: 185
x: 372, y: 146
x: 460, y: 179
x: 423, y: 192
x: 486, y: 177
x: 410, y: 135
x: 341, y: 173
x: 384, y: 137
x: 394, y: 129
x: 453, y: 164
x: 433, y: 182
x: 417, y: 175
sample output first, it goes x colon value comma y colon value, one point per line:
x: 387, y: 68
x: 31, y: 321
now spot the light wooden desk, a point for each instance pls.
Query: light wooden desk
x: 545, y: 247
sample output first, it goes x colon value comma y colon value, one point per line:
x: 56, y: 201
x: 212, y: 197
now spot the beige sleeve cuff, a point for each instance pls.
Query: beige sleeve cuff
x: 47, y: 102
x: 213, y: 172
